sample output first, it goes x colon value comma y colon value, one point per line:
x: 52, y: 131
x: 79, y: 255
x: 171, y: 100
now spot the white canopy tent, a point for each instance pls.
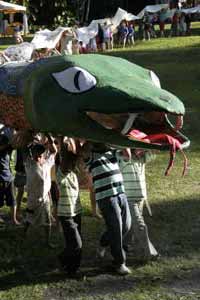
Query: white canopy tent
x: 11, y: 8
x: 7, y: 7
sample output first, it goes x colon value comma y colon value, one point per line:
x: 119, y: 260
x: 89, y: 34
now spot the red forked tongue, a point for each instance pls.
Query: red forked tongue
x: 163, y: 138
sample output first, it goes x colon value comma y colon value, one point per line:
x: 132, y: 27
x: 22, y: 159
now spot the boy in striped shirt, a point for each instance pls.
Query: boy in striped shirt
x: 69, y: 206
x: 133, y: 172
x: 111, y: 200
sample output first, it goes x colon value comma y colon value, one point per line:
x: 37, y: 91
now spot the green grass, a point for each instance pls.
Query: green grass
x: 29, y: 271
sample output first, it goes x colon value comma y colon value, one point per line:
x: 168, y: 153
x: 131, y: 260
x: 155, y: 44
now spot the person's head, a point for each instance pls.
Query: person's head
x: 38, y: 151
x: 18, y: 39
x: 68, y: 157
x: 75, y: 42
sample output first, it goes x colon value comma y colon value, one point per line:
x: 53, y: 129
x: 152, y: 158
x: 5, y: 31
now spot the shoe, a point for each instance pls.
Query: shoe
x: 101, y: 251
x: 155, y: 257
x: 123, y: 270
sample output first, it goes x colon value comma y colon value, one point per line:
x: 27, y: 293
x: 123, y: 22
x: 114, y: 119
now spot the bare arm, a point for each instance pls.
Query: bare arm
x: 51, y: 146
x: 93, y: 202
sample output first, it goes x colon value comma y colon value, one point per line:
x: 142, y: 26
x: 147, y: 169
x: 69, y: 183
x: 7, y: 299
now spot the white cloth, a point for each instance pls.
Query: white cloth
x: 66, y: 44
x: 191, y: 10
x: 47, y: 38
x: 38, y: 180
x: 152, y: 9
x: 21, y: 52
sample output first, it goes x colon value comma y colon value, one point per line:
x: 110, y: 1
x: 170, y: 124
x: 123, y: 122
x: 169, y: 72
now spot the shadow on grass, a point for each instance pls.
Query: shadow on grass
x: 175, y: 226
x: 174, y: 229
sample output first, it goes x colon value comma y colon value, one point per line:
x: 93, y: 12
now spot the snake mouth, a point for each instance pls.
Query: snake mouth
x: 154, y: 129
x: 145, y: 127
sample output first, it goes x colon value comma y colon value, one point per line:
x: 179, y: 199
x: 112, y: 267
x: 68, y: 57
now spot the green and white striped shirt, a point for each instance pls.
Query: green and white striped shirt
x: 69, y: 201
x: 133, y: 172
x: 106, y: 175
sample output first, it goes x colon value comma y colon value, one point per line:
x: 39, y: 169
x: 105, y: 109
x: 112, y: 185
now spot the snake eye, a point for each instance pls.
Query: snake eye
x: 155, y: 79
x: 75, y: 80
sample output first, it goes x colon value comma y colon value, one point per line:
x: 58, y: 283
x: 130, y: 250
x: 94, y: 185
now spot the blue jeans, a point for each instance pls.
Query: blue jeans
x: 71, y: 255
x: 115, y: 211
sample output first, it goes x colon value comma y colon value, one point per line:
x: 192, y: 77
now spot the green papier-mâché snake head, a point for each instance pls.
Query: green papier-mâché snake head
x: 88, y: 96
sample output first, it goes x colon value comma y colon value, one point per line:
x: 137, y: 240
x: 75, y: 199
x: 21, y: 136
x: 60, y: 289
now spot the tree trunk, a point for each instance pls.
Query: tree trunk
x: 87, y: 10
x: 82, y: 11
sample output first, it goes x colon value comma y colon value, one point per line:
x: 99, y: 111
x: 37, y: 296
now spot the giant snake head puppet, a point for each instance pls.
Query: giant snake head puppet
x: 95, y: 97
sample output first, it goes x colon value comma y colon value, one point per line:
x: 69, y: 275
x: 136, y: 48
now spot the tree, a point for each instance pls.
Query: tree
x: 60, y: 12
x: 52, y: 13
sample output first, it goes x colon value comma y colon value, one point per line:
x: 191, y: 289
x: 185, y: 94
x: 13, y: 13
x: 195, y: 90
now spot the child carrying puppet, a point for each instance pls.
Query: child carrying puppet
x: 69, y: 206
x: 38, y: 171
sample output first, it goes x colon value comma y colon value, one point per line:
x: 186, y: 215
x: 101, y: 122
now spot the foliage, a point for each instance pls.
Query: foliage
x: 59, y: 12
x: 65, y: 12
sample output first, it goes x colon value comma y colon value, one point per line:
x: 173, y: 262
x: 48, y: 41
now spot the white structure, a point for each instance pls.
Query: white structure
x: 11, y: 8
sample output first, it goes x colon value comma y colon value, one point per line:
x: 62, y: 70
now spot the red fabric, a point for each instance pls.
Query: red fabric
x: 163, y: 139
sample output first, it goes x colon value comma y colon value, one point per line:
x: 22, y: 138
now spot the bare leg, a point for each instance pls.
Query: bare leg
x: 13, y: 210
x: 124, y: 42
x: 20, y: 193
x: 26, y: 227
x: 47, y: 232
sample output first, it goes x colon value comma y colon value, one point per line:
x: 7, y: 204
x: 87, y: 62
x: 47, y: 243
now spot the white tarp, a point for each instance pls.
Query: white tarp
x: 10, y: 7
x: 131, y: 17
x: 122, y: 14
x: 192, y: 10
x: 84, y: 34
x: 152, y: 9
x: 21, y: 52
x: 47, y: 38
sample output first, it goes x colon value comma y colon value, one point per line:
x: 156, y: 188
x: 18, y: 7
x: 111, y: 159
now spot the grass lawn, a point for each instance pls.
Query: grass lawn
x: 30, y: 271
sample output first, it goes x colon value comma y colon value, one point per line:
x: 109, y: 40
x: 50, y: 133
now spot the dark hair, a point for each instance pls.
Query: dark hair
x: 37, y: 150
x: 99, y: 147
x: 3, y: 139
x: 68, y: 161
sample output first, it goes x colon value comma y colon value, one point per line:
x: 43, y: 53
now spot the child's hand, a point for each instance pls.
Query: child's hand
x: 127, y: 154
x: 85, y: 150
x: 71, y: 145
x: 139, y: 153
x: 96, y: 213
